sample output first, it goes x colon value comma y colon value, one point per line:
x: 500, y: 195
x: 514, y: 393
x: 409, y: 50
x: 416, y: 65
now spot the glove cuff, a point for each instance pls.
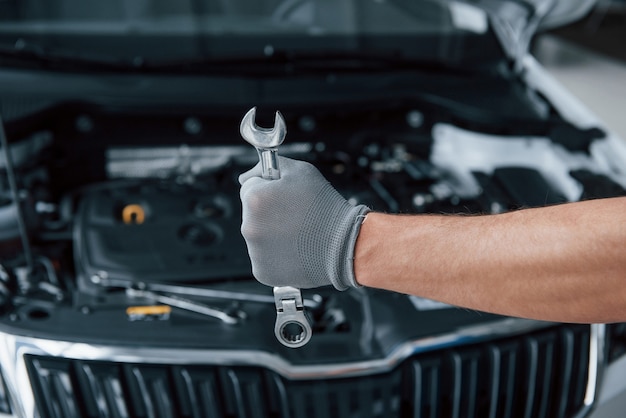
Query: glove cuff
x: 327, y: 239
x: 361, y: 212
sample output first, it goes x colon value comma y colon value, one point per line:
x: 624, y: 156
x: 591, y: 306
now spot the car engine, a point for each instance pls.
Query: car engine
x: 133, y: 265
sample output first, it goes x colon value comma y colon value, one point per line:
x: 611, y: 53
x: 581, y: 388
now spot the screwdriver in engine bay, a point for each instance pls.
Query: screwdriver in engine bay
x: 292, y: 327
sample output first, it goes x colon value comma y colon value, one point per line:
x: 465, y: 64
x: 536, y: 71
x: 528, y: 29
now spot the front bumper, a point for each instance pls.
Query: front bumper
x: 509, y: 368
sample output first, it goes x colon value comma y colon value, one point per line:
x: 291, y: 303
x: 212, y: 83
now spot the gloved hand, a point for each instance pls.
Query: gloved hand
x: 299, y: 230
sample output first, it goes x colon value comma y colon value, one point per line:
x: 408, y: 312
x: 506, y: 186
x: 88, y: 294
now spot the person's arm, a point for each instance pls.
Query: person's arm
x: 560, y: 263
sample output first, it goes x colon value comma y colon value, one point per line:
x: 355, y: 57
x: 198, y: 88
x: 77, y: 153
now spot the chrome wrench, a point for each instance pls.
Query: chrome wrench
x: 292, y: 328
x: 186, y: 304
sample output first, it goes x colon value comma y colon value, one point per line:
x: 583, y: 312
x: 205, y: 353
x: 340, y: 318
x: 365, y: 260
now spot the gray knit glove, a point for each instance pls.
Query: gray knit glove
x: 299, y: 230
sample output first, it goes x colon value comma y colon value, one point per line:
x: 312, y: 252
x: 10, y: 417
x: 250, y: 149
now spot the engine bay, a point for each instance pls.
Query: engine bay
x: 184, y: 227
x: 142, y: 235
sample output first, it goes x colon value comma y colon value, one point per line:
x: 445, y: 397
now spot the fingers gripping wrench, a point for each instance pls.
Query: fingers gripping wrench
x: 292, y: 328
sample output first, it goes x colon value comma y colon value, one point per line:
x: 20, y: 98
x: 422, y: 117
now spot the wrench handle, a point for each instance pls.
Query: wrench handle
x: 269, y: 163
x: 292, y: 328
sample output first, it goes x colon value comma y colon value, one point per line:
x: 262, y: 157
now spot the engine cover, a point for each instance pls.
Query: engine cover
x: 160, y: 232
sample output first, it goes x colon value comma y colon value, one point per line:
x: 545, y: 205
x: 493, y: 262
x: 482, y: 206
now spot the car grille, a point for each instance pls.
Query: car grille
x: 542, y: 374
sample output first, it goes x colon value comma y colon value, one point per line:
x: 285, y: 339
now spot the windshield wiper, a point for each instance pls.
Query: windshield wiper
x: 277, y: 63
x: 33, y: 55
x: 280, y: 62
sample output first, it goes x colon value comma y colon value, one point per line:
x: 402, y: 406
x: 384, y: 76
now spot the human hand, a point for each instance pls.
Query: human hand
x: 299, y: 230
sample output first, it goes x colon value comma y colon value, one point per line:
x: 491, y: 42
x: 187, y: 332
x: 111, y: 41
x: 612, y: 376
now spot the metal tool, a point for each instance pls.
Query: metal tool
x: 265, y: 140
x: 292, y: 328
x: 186, y: 304
x: 100, y: 279
x: 314, y: 302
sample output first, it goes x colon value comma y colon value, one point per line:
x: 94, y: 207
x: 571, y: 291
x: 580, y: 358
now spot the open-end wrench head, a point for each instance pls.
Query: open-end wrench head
x: 263, y: 138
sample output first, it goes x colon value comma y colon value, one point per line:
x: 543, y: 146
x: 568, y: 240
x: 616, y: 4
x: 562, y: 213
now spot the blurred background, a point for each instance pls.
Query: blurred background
x: 589, y: 58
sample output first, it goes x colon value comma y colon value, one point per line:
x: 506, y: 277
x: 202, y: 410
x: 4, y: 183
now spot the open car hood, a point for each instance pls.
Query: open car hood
x: 515, y: 22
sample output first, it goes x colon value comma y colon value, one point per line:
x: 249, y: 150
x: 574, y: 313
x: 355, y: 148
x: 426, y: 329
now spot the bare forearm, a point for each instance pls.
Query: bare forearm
x: 561, y: 263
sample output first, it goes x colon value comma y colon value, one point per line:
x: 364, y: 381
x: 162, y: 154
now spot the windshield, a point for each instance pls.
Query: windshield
x: 164, y: 30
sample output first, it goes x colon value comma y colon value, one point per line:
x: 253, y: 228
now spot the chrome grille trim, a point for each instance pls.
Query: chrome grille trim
x: 597, y: 351
x: 13, y: 348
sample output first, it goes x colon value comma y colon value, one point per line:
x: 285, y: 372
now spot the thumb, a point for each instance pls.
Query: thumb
x: 253, y: 172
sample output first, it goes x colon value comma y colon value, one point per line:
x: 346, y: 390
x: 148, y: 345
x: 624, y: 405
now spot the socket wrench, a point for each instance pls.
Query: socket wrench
x: 292, y: 327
